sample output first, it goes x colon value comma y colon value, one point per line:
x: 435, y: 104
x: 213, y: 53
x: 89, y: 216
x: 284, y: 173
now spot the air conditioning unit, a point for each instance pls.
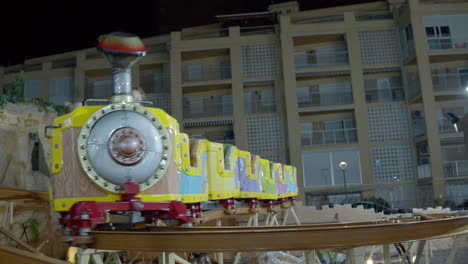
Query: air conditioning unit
x: 423, y: 151
x: 418, y: 114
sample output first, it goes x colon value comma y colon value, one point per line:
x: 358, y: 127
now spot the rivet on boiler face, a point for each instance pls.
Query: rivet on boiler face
x: 56, y: 145
x: 57, y: 166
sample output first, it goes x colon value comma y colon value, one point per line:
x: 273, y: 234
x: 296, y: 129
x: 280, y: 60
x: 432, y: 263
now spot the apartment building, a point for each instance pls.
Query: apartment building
x: 367, y: 84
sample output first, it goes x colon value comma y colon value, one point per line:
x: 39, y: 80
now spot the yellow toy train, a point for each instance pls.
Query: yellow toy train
x: 127, y: 159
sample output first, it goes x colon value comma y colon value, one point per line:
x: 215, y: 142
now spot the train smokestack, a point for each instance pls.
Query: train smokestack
x: 122, y: 50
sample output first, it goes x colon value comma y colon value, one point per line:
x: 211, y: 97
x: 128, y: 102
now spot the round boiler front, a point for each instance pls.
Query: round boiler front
x: 122, y: 143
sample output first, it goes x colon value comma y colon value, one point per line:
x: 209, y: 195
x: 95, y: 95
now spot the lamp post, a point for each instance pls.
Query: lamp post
x: 343, y: 166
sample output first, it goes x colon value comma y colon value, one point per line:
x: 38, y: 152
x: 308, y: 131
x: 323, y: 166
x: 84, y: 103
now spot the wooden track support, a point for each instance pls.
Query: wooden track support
x: 97, y: 255
x: 18, y: 256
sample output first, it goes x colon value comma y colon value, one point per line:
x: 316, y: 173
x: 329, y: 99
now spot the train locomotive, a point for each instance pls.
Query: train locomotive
x: 125, y: 159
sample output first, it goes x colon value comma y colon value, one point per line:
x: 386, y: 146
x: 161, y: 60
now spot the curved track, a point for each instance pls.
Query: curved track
x: 304, y: 237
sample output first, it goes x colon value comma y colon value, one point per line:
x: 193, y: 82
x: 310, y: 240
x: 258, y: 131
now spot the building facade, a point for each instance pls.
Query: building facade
x: 367, y: 84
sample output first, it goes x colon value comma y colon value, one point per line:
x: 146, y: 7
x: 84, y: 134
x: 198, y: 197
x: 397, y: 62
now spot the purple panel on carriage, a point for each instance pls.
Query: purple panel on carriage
x: 246, y: 184
x: 282, y: 188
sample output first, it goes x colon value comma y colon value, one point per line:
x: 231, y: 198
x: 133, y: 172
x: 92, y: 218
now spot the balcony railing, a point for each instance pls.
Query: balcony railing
x: 448, y: 81
x: 338, y: 57
x: 329, y: 137
x: 373, y: 15
x: 443, y: 43
x: 257, y: 30
x: 317, y: 19
x: 455, y: 168
x: 445, y: 126
x: 205, y: 33
x: 326, y: 98
x: 207, y: 107
x: 374, y: 95
x: 209, y: 72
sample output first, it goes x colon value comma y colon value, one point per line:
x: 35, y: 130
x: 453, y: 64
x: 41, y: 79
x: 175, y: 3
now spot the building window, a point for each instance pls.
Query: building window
x: 102, y: 88
x: 32, y: 89
x: 61, y: 90
x: 225, y: 70
x: 262, y: 101
x: 155, y: 78
x: 438, y: 37
x: 321, y: 168
x: 194, y: 72
x: 463, y: 75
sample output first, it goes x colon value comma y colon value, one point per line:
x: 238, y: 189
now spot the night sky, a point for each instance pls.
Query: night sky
x: 41, y: 28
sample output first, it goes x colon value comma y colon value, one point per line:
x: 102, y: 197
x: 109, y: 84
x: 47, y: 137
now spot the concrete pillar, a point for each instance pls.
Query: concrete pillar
x: 290, y: 98
x: 237, y: 91
x: 136, y: 75
x: 80, y: 78
x: 427, y: 93
x: 176, y: 78
x: 46, y: 67
x: 360, y: 105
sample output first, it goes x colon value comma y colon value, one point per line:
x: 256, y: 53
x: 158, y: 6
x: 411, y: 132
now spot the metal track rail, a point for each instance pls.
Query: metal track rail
x: 305, y: 237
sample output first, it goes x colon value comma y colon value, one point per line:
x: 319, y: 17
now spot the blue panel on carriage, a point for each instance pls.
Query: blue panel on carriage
x: 246, y: 184
x: 194, y: 184
x: 292, y: 187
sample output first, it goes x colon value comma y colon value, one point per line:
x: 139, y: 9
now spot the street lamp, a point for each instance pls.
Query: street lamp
x: 343, y: 166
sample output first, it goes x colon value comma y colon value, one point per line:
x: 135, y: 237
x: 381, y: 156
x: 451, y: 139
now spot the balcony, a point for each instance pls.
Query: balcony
x: 455, y: 168
x: 329, y: 137
x: 210, y: 106
x: 259, y: 106
x: 314, y: 19
x: 376, y: 95
x: 336, y: 95
x: 206, y: 72
x: 373, y: 15
x: 321, y: 58
x: 450, y: 81
x: 257, y: 102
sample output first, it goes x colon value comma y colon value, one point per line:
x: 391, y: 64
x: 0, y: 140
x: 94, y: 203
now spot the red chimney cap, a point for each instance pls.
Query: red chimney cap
x: 121, y: 42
